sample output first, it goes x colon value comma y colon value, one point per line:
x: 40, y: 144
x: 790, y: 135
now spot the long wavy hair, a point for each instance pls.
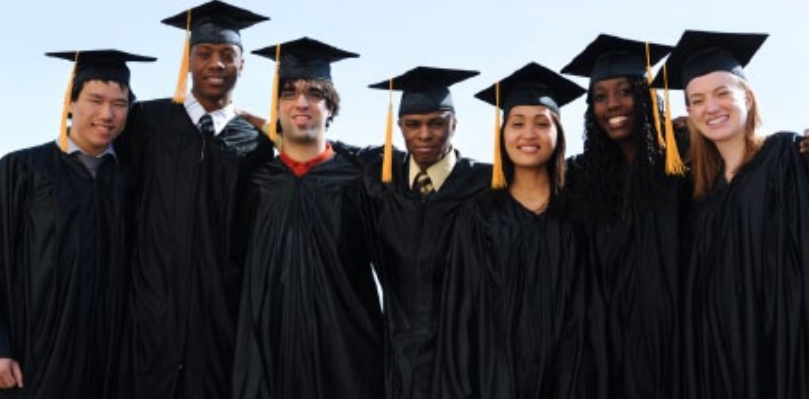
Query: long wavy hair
x: 706, y: 162
x: 609, y: 186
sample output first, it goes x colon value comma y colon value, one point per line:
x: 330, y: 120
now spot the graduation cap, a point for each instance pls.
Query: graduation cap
x: 213, y: 22
x: 424, y: 90
x: 532, y: 84
x: 105, y: 65
x: 699, y: 53
x: 610, y: 56
x: 303, y: 58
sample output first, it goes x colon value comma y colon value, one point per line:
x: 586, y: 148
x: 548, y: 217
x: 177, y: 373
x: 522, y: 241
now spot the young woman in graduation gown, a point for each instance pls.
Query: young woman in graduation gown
x: 747, y: 282
x: 513, y: 305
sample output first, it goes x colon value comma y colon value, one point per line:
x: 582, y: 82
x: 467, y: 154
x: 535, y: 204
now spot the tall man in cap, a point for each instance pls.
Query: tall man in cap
x: 189, y: 157
x: 428, y: 184
x: 63, y: 252
x: 310, y: 325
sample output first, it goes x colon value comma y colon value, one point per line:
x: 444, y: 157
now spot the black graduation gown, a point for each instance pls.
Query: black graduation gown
x: 512, y: 325
x: 310, y: 323
x: 634, y: 304
x: 186, y: 284
x: 63, y: 272
x: 747, y: 292
x: 412, y: 236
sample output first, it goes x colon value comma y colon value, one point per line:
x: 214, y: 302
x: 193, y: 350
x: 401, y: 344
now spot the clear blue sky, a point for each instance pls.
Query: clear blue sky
x: 494, y: 37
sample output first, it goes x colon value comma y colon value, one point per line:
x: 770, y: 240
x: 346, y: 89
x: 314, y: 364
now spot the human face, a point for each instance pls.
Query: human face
x: 428, y: 136
x: 214, y: 71
x: 718, y: 106
x: 303, y: 111
x: 98, y: 115
x: 529, y: 136
x: 614, y: 108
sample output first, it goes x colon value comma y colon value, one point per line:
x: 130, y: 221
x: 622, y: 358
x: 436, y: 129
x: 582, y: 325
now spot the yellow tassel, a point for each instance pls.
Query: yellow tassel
x: 653, y: 94
x: 66, y: 107
x: 674, y: 165
x: 272, y: 129
x: 387, y: 157
x: 182, y: 79
x: 498, y: 177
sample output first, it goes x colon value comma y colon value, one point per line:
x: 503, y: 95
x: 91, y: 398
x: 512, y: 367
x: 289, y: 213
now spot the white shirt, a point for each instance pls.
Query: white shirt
x: 220, y: 117
x: 438, y: 172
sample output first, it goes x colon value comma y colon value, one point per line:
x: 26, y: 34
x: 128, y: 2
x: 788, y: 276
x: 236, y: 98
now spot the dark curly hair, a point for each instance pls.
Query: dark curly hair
x: 609, y: 185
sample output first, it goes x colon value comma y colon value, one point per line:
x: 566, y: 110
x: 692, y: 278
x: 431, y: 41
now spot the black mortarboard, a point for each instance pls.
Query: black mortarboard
x: 215, y: 22
x: 305, y: 58
x: 425, y: 89
x: 699, y: 53
x: 609, y: 57
x: 532, y: 84
x: 105, y: 65
x: 101, y: 64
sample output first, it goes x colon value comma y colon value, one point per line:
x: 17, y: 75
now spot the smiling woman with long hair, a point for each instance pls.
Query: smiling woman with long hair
x: 747, y: 287
x: 512, y: 306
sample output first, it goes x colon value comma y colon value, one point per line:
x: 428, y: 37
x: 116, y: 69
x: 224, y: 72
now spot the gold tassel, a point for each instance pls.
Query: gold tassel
x: 387, y: 157
x: 66, y: 107
x: 674, y: 165
x: 653, y: 93
x: 498, y: 178
x: 182, y: 79
x: 272, y: 129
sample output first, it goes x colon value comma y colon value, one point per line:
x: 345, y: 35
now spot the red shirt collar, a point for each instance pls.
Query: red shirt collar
x: 301, y: 168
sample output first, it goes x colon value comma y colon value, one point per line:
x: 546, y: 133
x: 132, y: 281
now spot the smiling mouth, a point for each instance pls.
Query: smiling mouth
x: 617, y: 121
x: 716, y: 121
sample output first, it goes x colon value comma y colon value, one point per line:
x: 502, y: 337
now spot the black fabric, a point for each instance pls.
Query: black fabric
x: 634, y: 300
x: 747, y: 287
x: 186, y: 277
x: 310, y: 324
x: 513, y: 310
x: 412, y: 235
x: 63, y: 272
x: 206, y: 126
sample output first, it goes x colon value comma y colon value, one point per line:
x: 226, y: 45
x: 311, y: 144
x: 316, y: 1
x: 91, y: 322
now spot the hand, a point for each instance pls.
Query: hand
x: 804, y: 145
x: 10, y: 374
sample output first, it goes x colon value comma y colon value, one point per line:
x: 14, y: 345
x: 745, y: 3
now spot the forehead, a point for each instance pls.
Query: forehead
x: 218, y: 47
x: 712, y: 81
x: 606, y: 84
x: 102, y: 87
x: 530, y: 110
x: 428, y: 116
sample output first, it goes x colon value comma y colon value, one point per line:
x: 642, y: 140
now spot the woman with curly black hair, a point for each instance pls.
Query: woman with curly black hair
x: 629, y: 212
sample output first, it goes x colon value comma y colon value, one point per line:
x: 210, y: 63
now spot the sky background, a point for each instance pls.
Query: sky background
x: 493, y: 37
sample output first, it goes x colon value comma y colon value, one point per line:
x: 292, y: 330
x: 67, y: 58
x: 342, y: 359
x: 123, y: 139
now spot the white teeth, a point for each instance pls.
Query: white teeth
x: 716, y: 121
x: 529, y: 148
x: 617, y: 120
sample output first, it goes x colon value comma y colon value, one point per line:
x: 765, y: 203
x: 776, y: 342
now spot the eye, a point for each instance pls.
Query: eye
x: 438, y: 123
x: 625, y: 92
x: 599, y: 97
x: 287, y: 95
x: 315, y: 95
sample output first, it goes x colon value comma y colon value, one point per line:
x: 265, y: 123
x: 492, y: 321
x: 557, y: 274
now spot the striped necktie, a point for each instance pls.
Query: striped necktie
x: 206, y: 126
x: 423, y: 183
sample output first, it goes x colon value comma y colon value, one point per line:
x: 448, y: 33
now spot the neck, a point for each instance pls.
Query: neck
x: 303, y: 151
x: 628, y: 148
x: 213, y: 104
x: 531, y: 187
x: 733, y: 153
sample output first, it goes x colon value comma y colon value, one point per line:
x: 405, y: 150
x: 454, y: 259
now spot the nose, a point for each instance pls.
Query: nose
x: 301, y: 101
x: 106, y: 111
x: 613, y: 101
x: 216, y: 61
